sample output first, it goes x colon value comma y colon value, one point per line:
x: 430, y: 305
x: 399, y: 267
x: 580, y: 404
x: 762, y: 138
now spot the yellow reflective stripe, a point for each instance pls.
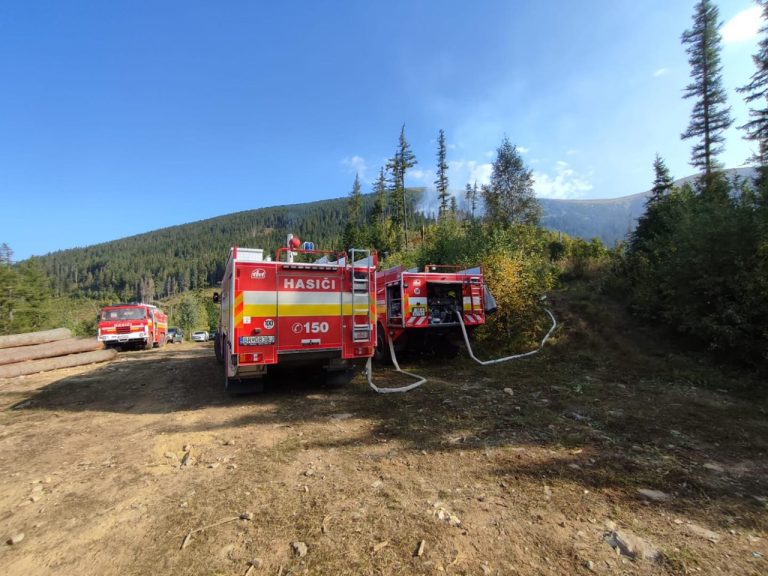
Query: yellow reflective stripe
x: 314, y: 310
x: 259, y: 310
x: 290, y: 310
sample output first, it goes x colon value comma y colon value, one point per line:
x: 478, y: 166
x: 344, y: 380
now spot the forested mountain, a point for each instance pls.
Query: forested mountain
x: 610, y: 219
x: 190, y: 256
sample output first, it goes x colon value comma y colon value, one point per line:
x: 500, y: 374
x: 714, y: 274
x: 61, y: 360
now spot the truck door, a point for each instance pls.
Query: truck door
x: 309, y: 307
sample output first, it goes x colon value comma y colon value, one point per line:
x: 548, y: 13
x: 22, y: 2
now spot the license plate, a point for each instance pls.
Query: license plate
x: 419, y: 311
x: 256, y: 340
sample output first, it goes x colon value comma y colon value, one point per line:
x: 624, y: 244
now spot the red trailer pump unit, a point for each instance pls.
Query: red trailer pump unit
x: 419, y: 308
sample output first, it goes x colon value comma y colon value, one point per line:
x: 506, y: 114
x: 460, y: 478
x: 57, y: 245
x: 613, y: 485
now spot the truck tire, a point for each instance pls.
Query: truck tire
x: 381, y: 353
x: 149, y: 344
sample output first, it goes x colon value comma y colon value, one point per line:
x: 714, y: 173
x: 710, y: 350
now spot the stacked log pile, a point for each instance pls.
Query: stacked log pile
x: 34, y: 352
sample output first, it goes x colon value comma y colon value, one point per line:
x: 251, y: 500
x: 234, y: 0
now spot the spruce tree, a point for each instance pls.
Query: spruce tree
x: 654, y: 222
x: 441, y: 183
x: 757, y: 92
x: 397, y: 166
x: 662, y: 182
x: 509, y: 198
x: 353, y: 235
x: 378, y: 217
x: 471, y: 195
x: 710, y: 117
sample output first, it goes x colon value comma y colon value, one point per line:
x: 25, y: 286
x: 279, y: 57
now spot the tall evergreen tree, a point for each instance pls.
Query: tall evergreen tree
x: 6, y: 254
x: 509, y: 198
x: 397, y: 166
x: 353, y: 236
x: 441, y: 182
x: 757, y: 92
x: 378, y: 217
x: 471, y: 195
x: 710, y: 117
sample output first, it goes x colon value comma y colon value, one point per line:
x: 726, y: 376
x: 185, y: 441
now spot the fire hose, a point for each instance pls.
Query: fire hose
x: 421, y: 380
x: 369, y: 373
x: 506, y: 358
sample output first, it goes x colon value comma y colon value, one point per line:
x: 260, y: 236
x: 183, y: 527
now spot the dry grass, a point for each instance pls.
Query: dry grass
x: 362, y: 479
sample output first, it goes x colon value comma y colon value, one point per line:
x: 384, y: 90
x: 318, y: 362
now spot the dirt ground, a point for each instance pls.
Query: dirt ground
x: 533, y: 467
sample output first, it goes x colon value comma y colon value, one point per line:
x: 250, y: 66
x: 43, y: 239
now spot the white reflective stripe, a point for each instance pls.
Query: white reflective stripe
x: 421, y: 321
x: 410, y: 321
x: 270, y: 297
x: 285, y: 297
x: 259, y: 297
x: 417, y: 300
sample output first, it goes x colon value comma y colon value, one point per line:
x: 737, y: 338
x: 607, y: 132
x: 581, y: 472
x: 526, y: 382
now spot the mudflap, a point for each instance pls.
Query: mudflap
x: 237, y: 387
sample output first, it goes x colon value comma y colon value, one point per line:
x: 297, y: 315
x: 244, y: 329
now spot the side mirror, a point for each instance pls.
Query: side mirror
x: 215, y: 297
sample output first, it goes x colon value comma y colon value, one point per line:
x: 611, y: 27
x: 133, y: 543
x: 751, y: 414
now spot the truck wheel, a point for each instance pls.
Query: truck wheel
x: 149, y: 343
x: 381, y: 352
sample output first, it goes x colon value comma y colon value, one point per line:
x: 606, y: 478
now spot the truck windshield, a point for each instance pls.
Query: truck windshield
x: 123, y: 314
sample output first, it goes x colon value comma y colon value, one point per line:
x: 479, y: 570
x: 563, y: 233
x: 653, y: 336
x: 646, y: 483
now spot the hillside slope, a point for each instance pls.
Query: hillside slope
x: 608, y: 219
x: 192, y: 256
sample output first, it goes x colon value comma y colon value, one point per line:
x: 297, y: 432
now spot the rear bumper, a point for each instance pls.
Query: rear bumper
x: 121, y: 338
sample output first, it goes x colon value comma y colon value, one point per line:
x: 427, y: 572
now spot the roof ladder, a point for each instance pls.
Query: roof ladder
x: 361, y: 294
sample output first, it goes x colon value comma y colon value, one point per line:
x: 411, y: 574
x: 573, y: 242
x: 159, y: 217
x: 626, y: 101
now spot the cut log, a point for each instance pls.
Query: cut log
x: 34, y: 366
x: 29, y: 338
x: 48, y: 350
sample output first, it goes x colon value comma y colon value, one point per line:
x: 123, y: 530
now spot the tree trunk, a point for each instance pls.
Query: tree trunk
x: 29, y: 338
x: 48, y: 350
x: 34, y: 366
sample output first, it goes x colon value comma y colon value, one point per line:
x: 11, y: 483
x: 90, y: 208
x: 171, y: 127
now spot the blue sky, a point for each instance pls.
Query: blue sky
x: 118, y: 118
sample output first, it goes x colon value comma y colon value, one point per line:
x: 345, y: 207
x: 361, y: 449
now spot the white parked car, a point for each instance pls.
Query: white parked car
x: 201, y: 336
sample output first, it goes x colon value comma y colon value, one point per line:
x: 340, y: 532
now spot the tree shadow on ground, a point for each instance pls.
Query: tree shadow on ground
x: 614, y: 424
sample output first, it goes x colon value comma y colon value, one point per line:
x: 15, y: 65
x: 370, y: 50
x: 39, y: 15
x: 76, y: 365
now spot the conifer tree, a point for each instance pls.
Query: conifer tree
x: 471, y: 195
x: 662, y: 182
x: 757, y: 92
x: 397, y: 166
x: 353, y: 235
x: 441, y: 182
x: 710, y: 117
x: 509, y: 198
x: 378, y: 218
x: 654, y: 222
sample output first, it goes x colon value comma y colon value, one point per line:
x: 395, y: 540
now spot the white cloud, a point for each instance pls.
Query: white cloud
x: 564, y: 184
x: 480, y: 173
x: 571, y: 152
x: 461, y: 172
x: 523, y: 150
x: 743, y: 26
x: 356, y: 165
x: 661, y: 72
x: 424, y: 176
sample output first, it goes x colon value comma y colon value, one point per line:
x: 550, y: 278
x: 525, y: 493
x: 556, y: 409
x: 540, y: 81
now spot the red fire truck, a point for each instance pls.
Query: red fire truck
x: 132, y: 326
x: 419, y: 308
x: 307, y: 307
